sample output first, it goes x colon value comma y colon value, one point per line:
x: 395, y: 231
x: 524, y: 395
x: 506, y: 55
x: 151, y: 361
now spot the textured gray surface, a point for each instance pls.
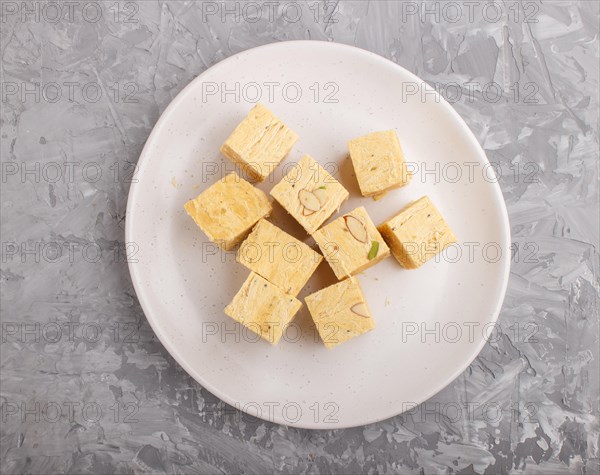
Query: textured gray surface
x: 86, y: 388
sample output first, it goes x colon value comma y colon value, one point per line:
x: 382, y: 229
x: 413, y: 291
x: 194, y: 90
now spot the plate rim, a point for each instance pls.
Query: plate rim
x: 133, y: 195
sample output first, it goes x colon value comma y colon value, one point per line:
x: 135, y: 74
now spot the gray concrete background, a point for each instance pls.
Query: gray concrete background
x: 86, y: 388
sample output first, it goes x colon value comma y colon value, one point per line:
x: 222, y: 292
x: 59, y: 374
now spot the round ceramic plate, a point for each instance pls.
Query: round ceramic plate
x: 430, y: 322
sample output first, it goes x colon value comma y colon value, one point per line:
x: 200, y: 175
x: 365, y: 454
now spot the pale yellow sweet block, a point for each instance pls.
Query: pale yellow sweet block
x: 340, y: 312
x: 259, y: 143
x: 227, y: 210
x: 351, y: 243
x: 310, y: 194
x: 379, y: 163
x: 417, y: 233
x: 278, y: 257
x: 263, y: 308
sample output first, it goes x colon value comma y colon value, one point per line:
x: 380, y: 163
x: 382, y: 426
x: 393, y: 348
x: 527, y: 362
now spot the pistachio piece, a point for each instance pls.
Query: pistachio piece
x: 374, y: 250
x: 360, y: 309
x: 309, y: 200
x: 356, y: 228
x: 321, y: 195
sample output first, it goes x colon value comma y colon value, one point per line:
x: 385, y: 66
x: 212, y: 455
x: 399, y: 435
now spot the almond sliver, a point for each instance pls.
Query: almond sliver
x: 309, y: 200
x: 356, y: 228
x: 321, y: 195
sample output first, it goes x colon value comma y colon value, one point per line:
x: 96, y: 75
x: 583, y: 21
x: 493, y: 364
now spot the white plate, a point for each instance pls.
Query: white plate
x: 431, y: 322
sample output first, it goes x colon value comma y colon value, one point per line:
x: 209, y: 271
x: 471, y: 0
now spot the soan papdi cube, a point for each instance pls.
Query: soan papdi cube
x: 379, y: 163
x: 259, y: 143
x: 278, y: 257
x: 340, y: 312
x: 227, y: 210
x: 351, y: 243
x: 263, y: 308
x: 309, y: 194
x: 417, y: 233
